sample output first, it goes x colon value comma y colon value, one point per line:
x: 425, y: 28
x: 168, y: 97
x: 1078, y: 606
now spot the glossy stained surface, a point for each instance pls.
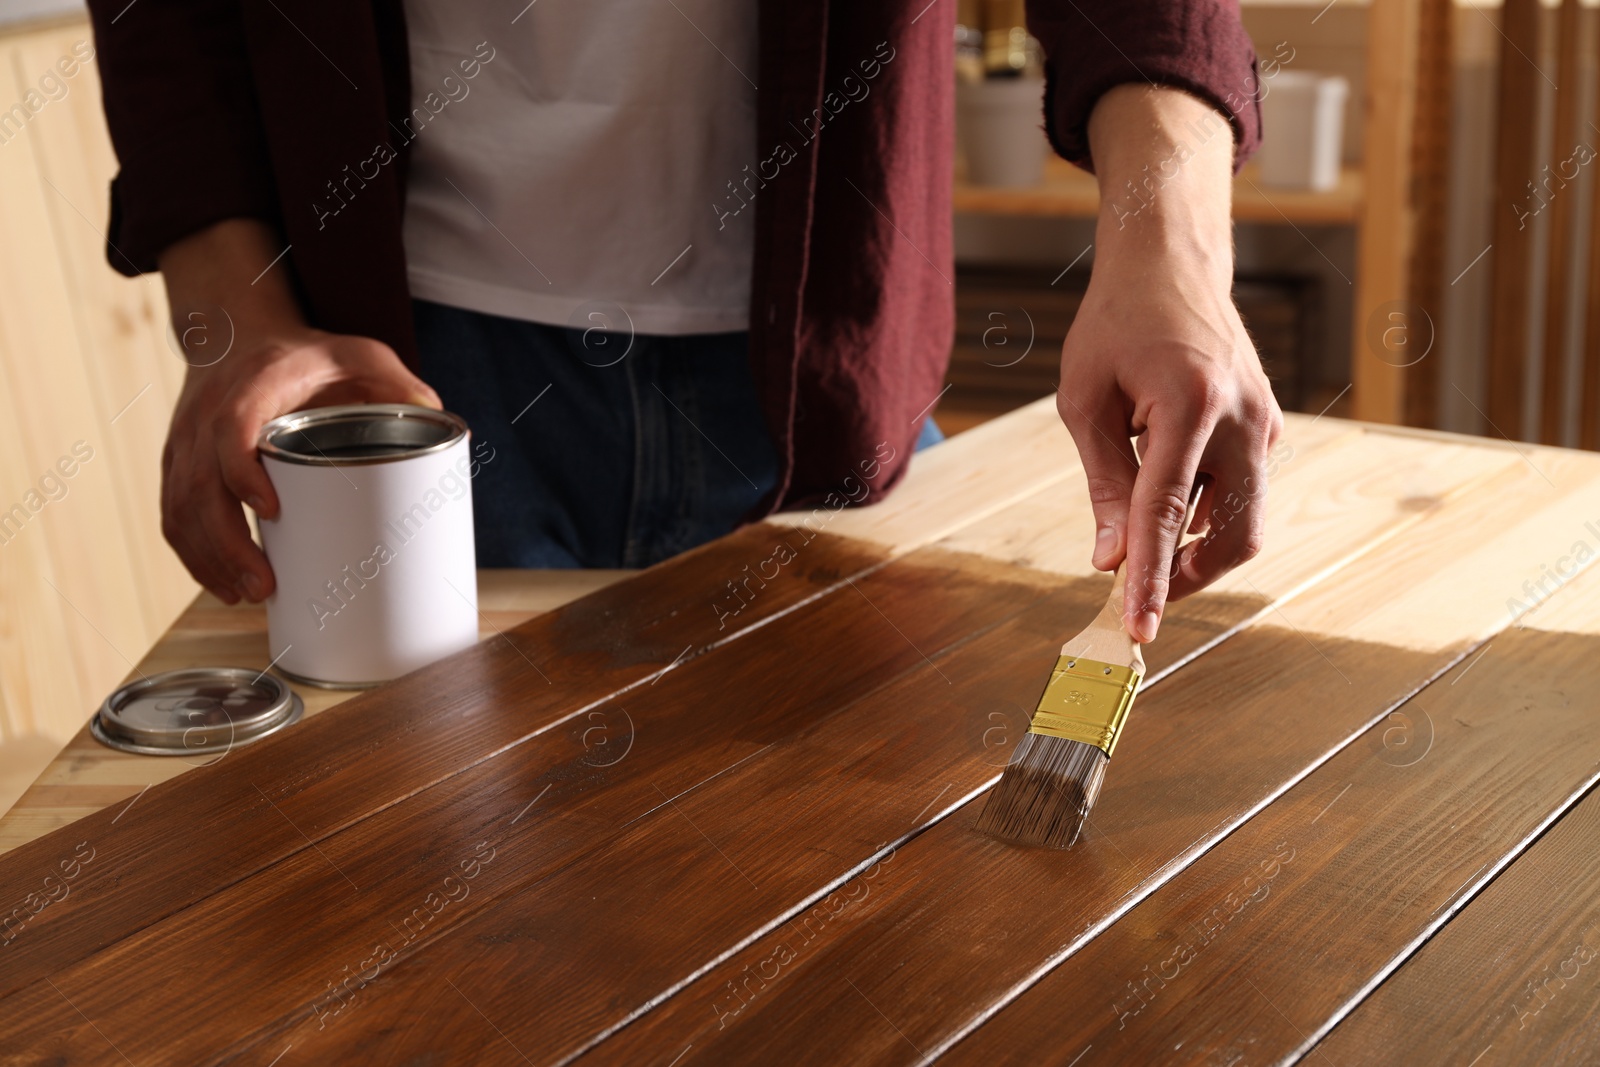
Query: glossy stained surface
x: 640, y: 830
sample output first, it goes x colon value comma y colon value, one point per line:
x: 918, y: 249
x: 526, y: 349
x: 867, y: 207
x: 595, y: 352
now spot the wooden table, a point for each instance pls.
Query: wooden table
x: 721, y: 811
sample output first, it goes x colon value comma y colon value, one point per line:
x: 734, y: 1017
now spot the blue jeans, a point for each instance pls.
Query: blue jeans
x: 608, y: 451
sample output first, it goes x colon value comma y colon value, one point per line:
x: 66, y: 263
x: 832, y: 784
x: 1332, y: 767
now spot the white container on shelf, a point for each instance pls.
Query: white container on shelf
x: 1302, y: 118
x: 372, y: 547
x: 1002, y: 131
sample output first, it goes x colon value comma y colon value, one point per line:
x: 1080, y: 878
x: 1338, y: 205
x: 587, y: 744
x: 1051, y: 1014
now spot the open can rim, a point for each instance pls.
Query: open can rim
x: 351, y: 419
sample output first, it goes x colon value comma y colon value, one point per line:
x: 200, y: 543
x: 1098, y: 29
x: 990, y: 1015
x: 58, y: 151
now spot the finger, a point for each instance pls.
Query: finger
x: 178, y: 525
x: 222, y: 539
x: 235, y: 431
x: 380, y: 376
x: 1110, y: 469
x: 1238, y: 528
x: 1155, y: 522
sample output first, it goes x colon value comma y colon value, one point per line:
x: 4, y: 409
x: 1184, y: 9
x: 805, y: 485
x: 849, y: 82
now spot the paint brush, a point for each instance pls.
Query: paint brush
x: 1055, y: 775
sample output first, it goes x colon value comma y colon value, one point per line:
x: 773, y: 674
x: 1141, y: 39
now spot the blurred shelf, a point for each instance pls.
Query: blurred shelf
x: 1068, y: 192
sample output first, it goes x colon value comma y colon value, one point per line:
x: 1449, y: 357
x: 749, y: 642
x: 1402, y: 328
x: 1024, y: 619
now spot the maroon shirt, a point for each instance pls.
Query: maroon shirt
x: 228, y: 108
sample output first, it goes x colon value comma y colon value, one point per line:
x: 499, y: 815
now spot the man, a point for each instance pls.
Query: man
x: 681, y: 261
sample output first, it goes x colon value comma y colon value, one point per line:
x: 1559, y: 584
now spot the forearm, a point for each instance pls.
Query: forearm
x: 1165, y: 162
x: 233, y: 266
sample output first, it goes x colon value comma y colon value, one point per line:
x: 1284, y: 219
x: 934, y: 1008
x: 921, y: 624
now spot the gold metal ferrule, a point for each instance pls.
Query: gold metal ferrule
x: 1087, y: 701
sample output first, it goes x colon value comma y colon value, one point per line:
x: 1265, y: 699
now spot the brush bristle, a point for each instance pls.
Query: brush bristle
x: 1046, y: 792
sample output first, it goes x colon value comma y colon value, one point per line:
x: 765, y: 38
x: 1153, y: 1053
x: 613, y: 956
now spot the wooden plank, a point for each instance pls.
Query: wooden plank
x: 1386, y: 237
x: 266, y: 802
x: 889, y: 739
x: 1566, y: 136
x: 959, y: 482
x: 1070, y: 193
x: 1263, y: 944
x: 965, y: 923
x: 86, y: 776
x: 1510, y: 980
x: 1515, y: 140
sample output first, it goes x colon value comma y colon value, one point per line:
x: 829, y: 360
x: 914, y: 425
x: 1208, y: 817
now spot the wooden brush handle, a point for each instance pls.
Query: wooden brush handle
x: 1106, y: 639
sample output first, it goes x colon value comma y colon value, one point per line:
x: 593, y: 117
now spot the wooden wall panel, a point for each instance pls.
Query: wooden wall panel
x: 86, y: 584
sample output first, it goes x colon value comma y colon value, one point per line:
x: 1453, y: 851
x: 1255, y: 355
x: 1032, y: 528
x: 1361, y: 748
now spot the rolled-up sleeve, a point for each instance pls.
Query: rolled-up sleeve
x: 1090, y: 46
x: 181, y: 106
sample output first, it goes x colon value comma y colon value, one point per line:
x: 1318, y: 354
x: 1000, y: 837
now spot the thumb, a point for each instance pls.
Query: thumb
x: 385, y: 379
x: 1110, y: 468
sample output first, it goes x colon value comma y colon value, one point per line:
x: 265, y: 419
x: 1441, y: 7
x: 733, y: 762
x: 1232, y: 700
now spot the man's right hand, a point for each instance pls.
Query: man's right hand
x: 273, y: 364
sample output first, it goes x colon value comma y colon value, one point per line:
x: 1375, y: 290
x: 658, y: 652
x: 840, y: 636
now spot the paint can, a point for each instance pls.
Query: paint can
x: 372, y: 547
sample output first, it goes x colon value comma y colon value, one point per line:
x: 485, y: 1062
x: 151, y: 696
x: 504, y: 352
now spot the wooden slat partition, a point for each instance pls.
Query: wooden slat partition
x: 1387, y: 220
x: 1589, y: 374
x: 1515, y: 139
x: 1565, y: 135
x: 1431, y: 182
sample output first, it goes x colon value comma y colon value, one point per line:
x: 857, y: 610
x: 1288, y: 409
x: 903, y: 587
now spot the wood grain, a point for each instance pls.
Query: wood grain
x: 978, y: 922
x: 268, y: 801
x: 557, y: 1031
x: 1498, y: 982
x: 1357, y: 865
x: 676, y: 741
x: 712, y: 864
x: 1511, y: 979
x: 477, y: 880
x: 1330, y: 432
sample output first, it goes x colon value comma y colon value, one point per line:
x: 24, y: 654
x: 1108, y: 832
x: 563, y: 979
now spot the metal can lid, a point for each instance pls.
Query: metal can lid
x: 195, y: 711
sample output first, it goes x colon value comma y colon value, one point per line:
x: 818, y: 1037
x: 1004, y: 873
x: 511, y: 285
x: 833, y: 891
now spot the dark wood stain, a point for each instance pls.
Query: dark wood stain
x: 212, y: 827
x: 1518, y: 969
x: 1287, y: 921
x: 960, y: 919
x: 475, y: 864
x: 558, y: 795
x: 711, y: 868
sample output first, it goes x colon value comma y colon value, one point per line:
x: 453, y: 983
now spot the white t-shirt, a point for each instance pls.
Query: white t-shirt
x: 581, y: 154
